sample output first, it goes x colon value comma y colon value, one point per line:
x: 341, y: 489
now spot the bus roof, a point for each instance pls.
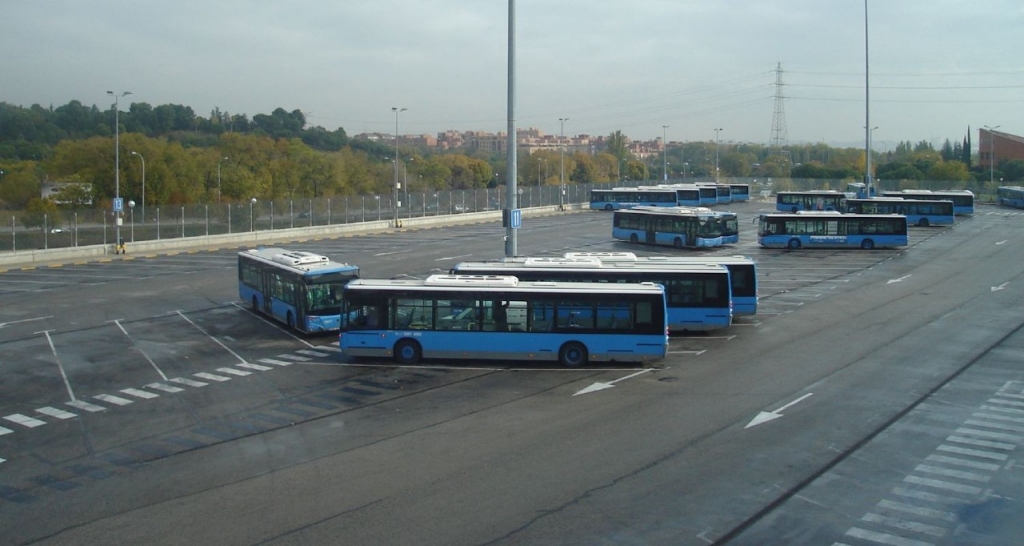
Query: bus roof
x: 500, y: 284
x: 297, y: 260
x: 588, y: 264
x: 610, y: 257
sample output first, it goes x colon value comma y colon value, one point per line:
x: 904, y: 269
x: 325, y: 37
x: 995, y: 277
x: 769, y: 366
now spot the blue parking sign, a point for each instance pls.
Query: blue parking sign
x: 118, y: 204
x: 517, y: 218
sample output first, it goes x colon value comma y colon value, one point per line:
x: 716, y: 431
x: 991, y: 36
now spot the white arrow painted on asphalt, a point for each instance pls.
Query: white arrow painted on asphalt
x: 602, y: 386
x: 766, y: 416
x: 1000, y: 287
x: 898, y: 280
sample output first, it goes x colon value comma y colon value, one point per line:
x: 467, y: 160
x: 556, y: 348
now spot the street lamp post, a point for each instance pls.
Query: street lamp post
x: 992, y: 153
x: 394, y: 190
x: 252, y: 221
x: 218, y: 176
x: 143, y: 186
x: 717, y: 130
x: 664, y: 152
x: 561, y: 150
x: 131, y: 208
x: 685, y: 165
x: 117, y: 164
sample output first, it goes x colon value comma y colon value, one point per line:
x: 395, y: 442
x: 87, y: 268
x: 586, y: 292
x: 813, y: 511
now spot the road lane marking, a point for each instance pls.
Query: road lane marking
x: 232, y: 371
x: 111, y: 399
x: 58, y: 413
x: 275, y: 362
x: 165, y: 388
x: 211, y: 377
x: 256, y: 367
x: 82, y: 405
x: 145, y: 395
x: 24, y: 420
x: 189, y: 382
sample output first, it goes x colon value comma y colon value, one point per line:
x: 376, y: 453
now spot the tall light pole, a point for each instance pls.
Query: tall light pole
x: 218, y: 176
x: 561, y: 168
x: 991, y: 153
x: 117, y: 166
x: 143, y: 185
x: 664, y: 152
x: 685, y: 165
x: 867, y: 110
x: 717, y: 130
x: 394, y: 190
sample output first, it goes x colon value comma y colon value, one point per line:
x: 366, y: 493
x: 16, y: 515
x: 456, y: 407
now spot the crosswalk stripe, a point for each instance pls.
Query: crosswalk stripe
x: 308, y: 352
x: 165, y: 388
x: 211, y: 376
x: 256, y: 367
x: 189, y: 382
x: 328, y: 348
x: 232, y: 371
x: 275, y: 362
x: 58, y: 413
x: 140, y: 393
x: 24, y: 420
x: 109, y: 398
x: 5, y: 431
x: 296, y: 358
x: 83, y: 405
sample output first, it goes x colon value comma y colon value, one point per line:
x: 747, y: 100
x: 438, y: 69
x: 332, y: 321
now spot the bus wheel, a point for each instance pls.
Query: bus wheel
x: 290, y: 321
x: 255, y: 305
x: 795, y: 209
x: 794, y: 244
x: 923, y: 222
x: 867, y: 244
x: 634, y: 239
x: 408, y: 352
x: 572, y: 355
x: 608, y: 207
x: 678, y: 243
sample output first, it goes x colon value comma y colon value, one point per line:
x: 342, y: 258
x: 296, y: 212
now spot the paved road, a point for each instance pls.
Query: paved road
x: 142, y: 404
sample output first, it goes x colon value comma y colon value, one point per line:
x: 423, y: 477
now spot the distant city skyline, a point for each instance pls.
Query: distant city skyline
x: 935, y: 69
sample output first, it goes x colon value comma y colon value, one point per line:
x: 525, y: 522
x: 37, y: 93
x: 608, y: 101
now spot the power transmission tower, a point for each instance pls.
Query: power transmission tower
x: 779, y: 138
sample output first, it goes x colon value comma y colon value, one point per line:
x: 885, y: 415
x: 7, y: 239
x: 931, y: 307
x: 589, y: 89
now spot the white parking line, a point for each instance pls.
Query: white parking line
x: 211, y: 377
x: 24, y: 420
x: 165, y: 388
x: 232, y: 371
x: 5, y: 431
x: 82, y: 405
x: 307, y: 352
x: 256, y: 367
x: 294, y: 357
x: 140, y: 393
x: 189, y: 382
x: 58, y: 413
x: 111, y: 399
x: 275, y: 362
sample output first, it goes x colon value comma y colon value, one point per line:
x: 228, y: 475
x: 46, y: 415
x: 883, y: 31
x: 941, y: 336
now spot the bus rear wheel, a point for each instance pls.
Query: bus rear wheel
x: 867, y: 244
x: 794, y: 244
x: 290, y: 321
x: 608, y: 207
x: 573, y: 355
x: 923, y: 222
x: 634, y: 239
x: 678, y: 243
x: 255, y: 305
x: 408, y: 352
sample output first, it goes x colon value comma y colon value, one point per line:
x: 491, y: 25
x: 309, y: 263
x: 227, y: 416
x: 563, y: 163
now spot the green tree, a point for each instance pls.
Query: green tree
x: 954, y: 171
x: 41, y: 213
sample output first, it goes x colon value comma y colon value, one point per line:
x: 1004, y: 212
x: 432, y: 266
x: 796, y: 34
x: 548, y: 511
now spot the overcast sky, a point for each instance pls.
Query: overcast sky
x: 936, y: 66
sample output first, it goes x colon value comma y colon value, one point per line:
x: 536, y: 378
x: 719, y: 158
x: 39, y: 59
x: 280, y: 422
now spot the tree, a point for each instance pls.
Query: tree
x: 40, y: 213
x: 954, y: 171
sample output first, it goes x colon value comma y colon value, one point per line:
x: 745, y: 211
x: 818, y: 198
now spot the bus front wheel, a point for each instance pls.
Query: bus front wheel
x: 255, y: 305
x: 678, y: 243
x: 608, y: 207
x: 573, y: 355
x: 408, y: 352
x: 794, y: 244
x: 634, y: 239
x: 867, y: 244
x: 923, y: 222
x: 290, y: 321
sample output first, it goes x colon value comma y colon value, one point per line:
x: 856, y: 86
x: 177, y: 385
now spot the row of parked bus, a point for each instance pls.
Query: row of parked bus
x: 579, y: 308
x: 700, y: 194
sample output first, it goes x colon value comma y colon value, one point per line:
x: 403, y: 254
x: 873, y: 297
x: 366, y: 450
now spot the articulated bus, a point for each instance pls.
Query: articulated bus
x: 625, y: 198
x: 300, y: 289
x: 739, y: 192
x: 501, y: 317
x: 742, y: 272
x: 795, y: 201
x: 918, y: 212
x: 832, y: 230
x: 676, y: 226
x: 1010, y: 196
x: 963, y: 200
x: 697, y: 294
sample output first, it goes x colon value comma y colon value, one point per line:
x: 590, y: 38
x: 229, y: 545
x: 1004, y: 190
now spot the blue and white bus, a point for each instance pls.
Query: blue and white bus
x: 698, y: 295
x: 832, y: 230
x: 919, y: 212
x: 723, y: 192
x: 687, y: 195
x: 625, y: 198
x: 739, y: 192
x: 300, y: 289
x: 729, y: 226
x: 963, y: 200
x: 503, y: 318
x: 742, y: 272
x: 1010, y: 196
x: 680, y: 227
x: 795, y: 201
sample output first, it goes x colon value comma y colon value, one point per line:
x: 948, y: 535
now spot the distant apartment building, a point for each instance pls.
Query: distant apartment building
x: 997, y: 146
